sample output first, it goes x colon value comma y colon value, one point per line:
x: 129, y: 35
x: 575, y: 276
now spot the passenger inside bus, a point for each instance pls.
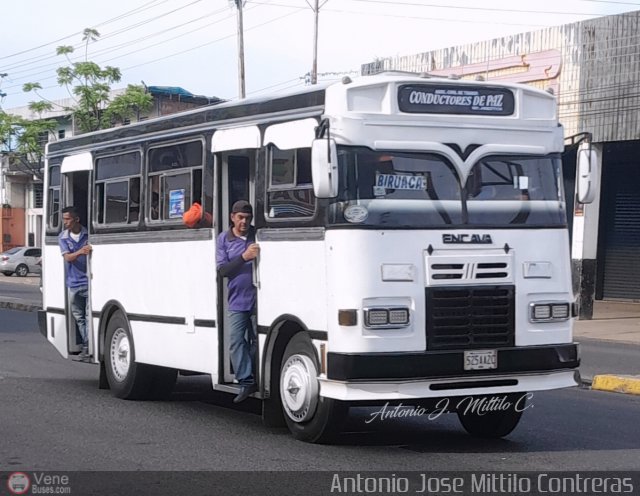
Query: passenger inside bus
x: 196, y: 218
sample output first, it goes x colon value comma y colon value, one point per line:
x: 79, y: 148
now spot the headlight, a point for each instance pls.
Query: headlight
x: 375, y: 318
x: 399, y: 316
x: 549, y: 312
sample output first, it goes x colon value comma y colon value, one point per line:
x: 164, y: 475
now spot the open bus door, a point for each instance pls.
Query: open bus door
x: 235, y: 156
x: 76, y: 173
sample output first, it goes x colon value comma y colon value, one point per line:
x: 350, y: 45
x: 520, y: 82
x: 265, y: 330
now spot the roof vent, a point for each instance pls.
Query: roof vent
x: 479, y: 77
x: 346, y: 80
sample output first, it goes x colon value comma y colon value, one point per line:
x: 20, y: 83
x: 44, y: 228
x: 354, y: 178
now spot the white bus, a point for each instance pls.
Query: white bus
x: 414, y: 247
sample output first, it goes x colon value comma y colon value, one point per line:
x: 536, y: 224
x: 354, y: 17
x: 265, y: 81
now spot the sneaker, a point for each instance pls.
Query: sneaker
x: 245, y: 392
x: 84, y: 356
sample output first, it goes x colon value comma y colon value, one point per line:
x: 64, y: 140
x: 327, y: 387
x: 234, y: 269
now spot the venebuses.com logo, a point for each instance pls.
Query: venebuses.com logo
x: 38, y: 483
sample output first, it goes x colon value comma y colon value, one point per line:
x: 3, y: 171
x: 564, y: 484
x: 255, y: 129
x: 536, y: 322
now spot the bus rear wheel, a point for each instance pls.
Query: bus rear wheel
x: 127, y: 379
x: 492, y: 421
x: 309, y: 416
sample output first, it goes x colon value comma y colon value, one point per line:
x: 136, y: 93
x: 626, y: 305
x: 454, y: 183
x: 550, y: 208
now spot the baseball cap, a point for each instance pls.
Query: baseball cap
x: 242, y: 206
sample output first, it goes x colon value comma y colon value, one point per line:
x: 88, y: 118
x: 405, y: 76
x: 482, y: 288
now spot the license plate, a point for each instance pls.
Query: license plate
x: 480, y: 360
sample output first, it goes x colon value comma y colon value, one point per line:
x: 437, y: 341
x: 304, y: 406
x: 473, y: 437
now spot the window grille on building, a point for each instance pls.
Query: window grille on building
x: 37, y: 195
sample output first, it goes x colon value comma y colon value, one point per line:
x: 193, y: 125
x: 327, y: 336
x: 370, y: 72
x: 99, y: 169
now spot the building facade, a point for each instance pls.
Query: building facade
x: 594, y: 69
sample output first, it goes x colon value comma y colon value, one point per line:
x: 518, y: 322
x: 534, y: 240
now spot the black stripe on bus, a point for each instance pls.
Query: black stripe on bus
x: 158, y: 319
x: 204, y: 323
x: 319, y: 335
x: 148, y: 318
x: 59, y: 311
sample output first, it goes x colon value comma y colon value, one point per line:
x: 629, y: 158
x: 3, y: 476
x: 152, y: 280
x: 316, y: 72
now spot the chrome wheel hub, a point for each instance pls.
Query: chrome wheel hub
x: 299, y: 388
x: 120, y: 354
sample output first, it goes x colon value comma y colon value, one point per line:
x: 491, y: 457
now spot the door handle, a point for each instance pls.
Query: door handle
x: 256, y: 272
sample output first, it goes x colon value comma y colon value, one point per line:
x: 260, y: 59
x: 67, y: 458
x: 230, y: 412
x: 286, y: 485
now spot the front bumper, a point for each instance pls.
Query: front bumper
x: 436, y: 364
x: 375, y: 391
x: 405, y: 376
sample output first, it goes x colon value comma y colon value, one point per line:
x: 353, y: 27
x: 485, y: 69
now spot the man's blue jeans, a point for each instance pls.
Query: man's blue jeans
x: 78, y: 297
x: 243, y: 344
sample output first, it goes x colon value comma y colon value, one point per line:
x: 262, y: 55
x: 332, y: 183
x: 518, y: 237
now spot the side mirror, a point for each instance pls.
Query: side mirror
x: 324, y: 168
x: 588, y: 163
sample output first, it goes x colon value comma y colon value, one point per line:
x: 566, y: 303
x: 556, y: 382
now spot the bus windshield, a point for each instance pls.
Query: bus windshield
x: 422, y: 190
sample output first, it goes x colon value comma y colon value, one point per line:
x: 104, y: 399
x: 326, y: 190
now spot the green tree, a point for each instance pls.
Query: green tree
x: 89, y: 86
x: 22, y: 142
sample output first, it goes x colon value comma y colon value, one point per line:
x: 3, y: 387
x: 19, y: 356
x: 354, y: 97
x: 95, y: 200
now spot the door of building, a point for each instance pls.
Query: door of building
x: 619, y: 233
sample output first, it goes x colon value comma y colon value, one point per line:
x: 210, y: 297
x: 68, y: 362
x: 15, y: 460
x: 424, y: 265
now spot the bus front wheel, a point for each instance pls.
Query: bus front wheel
x: 309, y: 416
x: 127, y: 379
x: 491, y: 417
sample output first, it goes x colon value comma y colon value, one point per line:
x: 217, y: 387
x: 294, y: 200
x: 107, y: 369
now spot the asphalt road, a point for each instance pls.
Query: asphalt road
x: 22, y: 290
x: 607, y: 357
x: 54, y: 417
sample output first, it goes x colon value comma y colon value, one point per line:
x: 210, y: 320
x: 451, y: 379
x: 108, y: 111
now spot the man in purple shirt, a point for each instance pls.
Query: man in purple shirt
x: 235, y: 251
x: 74, y: 245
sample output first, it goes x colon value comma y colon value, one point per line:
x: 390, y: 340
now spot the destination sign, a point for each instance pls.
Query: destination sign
x: 455, y: 99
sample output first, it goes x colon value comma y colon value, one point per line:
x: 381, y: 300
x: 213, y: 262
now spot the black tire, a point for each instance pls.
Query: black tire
x: 162, y: 382
x: 22, y: 270
x: 492, y: 421
x: 127, y: 379
x: 8, y: 274
x: 309, y: 417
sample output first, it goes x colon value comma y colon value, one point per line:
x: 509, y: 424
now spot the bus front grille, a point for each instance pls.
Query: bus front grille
x: 470, y: 317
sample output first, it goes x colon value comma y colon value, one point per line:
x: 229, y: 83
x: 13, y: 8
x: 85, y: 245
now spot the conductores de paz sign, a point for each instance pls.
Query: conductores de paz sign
x: 455, y: 99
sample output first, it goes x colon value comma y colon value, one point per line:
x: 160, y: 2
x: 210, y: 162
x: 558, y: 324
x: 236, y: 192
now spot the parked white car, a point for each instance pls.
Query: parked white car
x: 20, y: 261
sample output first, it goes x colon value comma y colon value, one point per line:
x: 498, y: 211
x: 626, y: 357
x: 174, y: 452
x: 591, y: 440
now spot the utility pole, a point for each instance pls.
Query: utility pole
x: 314, y: 67
x: 241, y: 86
x: 316, y: 14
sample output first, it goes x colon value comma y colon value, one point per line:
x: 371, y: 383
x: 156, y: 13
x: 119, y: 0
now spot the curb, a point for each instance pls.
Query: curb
x: 628, y: 384
x: 25, y: 307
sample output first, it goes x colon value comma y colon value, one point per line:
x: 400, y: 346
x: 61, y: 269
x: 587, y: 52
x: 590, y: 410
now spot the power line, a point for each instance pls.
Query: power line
x: 458, y: 7
x: 117, y: 18
x: 113, y: 48
x: 259, y: 3
x: 611, y: 2
x: 103, y: 37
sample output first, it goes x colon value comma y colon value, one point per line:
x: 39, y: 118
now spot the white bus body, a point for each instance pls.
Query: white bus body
x: 428, y: 259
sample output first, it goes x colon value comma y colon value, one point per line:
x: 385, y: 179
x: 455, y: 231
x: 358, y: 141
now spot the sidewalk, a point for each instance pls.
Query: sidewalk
x: 613, y: 324
x: 612, y: 321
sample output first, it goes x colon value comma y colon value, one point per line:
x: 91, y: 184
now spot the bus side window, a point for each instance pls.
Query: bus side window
x: 53, y: 222
x: 117, y: 188
x: 175, y: 180
x: 290, y: 192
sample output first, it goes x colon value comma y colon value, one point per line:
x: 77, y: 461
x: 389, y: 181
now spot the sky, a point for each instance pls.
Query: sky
x: 193, y: 43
